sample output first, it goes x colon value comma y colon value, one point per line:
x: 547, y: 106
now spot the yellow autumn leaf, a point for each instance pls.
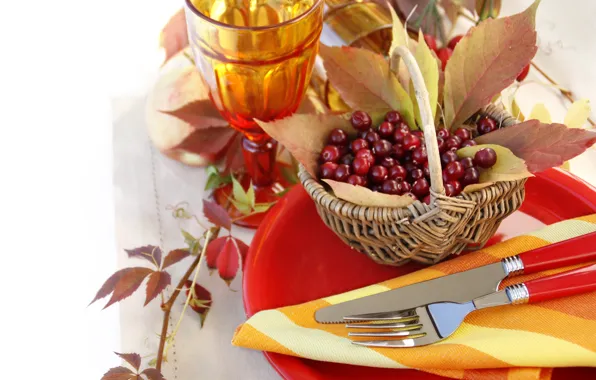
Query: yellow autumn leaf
x: 540, y: 113
x: 578, y: 114
x: 430, y: 72
x: 364, y: 197
x: 507, y: 168
x: 399, y: 34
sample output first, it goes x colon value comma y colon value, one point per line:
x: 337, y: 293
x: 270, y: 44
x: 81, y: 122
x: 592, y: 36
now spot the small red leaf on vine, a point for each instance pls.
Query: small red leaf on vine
x: 243, y: 250
x: 213, y: 250
x: 174, y: 256
x: 234, y: 159
x: 200, y: 113
x: 217, y: 214
x: 133, y: 359
x: 201, y: 301
x: 156, y: 284
x: 108, y: 286
x: 119, y: 373
x: 174, y: 36
x: 150, y: 253
x: 153, y: 374
x: 129, y: 280
x: 228, y: 260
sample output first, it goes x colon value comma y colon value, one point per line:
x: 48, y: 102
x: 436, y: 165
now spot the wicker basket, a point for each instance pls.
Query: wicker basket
x: 421, y: 232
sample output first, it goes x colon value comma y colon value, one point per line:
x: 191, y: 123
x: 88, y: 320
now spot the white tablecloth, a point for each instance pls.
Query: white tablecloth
x: 146, y: 183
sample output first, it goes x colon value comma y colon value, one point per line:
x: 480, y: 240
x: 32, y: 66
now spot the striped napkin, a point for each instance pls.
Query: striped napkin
x: 491, y: 344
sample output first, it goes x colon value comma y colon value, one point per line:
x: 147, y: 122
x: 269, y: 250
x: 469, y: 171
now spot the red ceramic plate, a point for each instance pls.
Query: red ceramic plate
x: 295, y: 258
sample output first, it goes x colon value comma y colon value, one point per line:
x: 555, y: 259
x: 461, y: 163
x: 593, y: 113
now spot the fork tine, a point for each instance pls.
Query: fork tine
x: 397, y: 325
x: 387, y: 316
x: 385, y: 343
x: 411, y: 333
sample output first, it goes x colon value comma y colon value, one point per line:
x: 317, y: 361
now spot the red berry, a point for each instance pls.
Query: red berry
x: 485, y: 158
x: 378, y: 174
x: 356, y: 180
x: 453, y: 42
x: 420, y: 187
x: 342, y: 173
x: 361, y: 120
x: 393, y: 117
x: 362, y: 134
x: 419, y: 156
x: 398, y: 151
x: 337, y: 137
x: 347, y: 159
x: 361, y: 165
x: 524, y: 73
x: 471, y: 176
x: 409, y: 166
x: 358, y: 144
x: 327, y: 170
x: 463, y: 133
x: 467, y: 162
x: 426, y: 199
x: 388, y: 162
x: 441, y: 144
x: 456, y: 187
x: 376, y: 188
x: 366, y: 154
x: 416, y: 174
x: 444, y: 176
x: 486, y: 125
x: 386, y: 130
x: 443, y: 133
x: 444, y: 54
x: 399, y: 135
x: 404, y: 127
x: 330, y: 153
x: 448, y: 157
x: 391, y: 187
x: 372, y: 136
x: 411, y: 142
x: 407, y: 157
x: 454, y: 170
x: 453, y: 143
x: 430, y: 41
x: 468, y: 143
x: 405, y: 187
x: 449, y: 189
x: 398, y: 172
x: 381, y: 148
x: 425, y: 169
x: 420, y: 134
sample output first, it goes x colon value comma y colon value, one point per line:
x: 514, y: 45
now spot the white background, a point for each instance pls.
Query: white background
x: 60, y: 64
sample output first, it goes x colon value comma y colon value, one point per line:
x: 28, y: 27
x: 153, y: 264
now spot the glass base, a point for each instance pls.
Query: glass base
x: 263, y: 194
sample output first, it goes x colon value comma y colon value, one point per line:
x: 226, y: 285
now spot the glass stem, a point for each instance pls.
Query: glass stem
x: 259, y: 158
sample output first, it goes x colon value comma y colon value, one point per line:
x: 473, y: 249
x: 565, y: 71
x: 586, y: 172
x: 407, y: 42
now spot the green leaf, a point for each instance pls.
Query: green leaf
x: 215, y: 179
x: 283, y: 192
x: 486, y: 61
x: 430, y: 72
x: 289, y: 174
x: 250, y: 195
x: 540, y: 113
x: 578, y: 114
x: 242, y: 207
x: 188, y: 238
x: 399, y: 36
x: 238, y: 192
x: 262, y: 207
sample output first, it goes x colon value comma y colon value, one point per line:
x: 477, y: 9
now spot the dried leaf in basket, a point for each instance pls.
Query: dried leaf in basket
x: 305, y: 135
x: 507, y: 168
x: 365, y: 197
x: 541, y: 146
x: 486, y: 61
x: 430, y: 72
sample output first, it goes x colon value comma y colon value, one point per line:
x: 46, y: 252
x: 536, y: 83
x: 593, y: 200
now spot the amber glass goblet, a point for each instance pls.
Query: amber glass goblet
x: 256, y: 58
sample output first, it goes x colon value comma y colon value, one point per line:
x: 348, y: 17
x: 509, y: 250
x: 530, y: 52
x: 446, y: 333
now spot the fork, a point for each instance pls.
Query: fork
x: 431, y: 323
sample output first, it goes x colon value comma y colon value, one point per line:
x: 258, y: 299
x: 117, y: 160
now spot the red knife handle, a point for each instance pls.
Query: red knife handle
x: 577, y: 281
x: 581, y: 249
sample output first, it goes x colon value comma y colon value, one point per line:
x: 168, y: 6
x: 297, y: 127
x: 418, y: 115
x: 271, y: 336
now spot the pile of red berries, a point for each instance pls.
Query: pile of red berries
x: 392, y: 159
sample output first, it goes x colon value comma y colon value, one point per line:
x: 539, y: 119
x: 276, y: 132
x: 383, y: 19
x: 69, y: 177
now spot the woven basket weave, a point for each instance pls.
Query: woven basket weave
x: 421, y: 232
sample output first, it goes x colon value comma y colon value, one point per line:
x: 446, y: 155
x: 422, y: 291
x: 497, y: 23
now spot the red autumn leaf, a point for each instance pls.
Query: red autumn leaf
x: 156, y: 284
x: 132, y: 359
x: 200, y: 113
x: 234, y: 159
x: 217, y: 214
x: 201, y: 302
x: 153, y: 374
x: 109, y: 285
x: 150, y: 253
x: 119, y: 373
x: 174, y: 256
x: 213, y: 250
x: 541, y: 145
x: 211, y: 142
x: 243, y: 249
x: 174, y: 36
x: 129, y: 281
x: 228, y: 260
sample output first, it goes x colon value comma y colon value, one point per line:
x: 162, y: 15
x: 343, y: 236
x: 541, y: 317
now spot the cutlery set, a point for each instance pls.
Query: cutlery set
x: 430, y: 311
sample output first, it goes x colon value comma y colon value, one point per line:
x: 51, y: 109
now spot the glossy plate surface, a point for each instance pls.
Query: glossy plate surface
x: 295, y: 258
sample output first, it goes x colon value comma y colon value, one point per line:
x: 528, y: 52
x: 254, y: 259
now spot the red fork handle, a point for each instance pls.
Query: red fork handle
x: 581, y: 280
x: 581, y: 249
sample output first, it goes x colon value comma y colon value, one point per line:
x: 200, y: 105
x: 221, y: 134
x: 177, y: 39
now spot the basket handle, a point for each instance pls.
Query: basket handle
x: 426, y: 114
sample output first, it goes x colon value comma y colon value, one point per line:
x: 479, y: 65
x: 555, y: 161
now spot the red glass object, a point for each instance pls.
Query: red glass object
x: 564, y: 284
x: 280, y: 257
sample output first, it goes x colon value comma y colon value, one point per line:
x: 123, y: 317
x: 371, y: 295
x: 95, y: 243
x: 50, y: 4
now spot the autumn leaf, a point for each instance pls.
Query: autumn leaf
x: 507, y: 168
x: 174, y: 256
x: 199, y: 113
x: 200, y: 300
x: 365, y: 197
x: 174, y: 36
x: 129, y: 280
x: 485, y: 61
x: 108, y: 286
x: 364, y: 80
x: 399, y: 34
x: 541, y: 145
x: 133, y: 359
x: 213, y: 250
x: 305, y: 135
x: 422, y: 17
x: 430, y: 72
x: 578, y: 114
x: 150, y: 253
x: 453, y: 7
x: 119, y: 373
x: 488, y: 9
x: 158, y: 281
x: 217, y: 214
x: 234, y: 159
x: 540, y: 113
x: 228, y: 261
x: 153, y: 374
